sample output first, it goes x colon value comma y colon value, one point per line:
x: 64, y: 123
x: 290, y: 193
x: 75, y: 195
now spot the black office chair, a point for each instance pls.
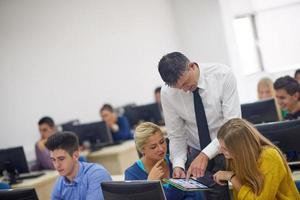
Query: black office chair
x: 18, y: 194
x: 133, y: 190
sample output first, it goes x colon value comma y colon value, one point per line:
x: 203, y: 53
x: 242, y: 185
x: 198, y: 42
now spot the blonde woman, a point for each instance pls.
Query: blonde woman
x: 154, y: 163
x: 265, y: 90
x: 256, y: 168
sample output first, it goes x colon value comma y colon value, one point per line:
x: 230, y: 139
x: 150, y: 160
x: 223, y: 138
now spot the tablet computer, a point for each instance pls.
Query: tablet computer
x: 187, y: 185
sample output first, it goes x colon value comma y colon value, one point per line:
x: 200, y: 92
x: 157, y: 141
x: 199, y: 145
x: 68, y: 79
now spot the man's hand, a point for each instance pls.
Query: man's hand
x: 198, y: 166
x: 178, y: 173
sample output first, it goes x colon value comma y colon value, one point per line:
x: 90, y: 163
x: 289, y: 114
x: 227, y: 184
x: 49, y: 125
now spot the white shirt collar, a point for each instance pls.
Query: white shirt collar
x: 201, y: 81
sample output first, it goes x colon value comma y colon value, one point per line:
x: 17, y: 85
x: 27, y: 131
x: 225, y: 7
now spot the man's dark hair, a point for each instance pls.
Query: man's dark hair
x: 47, y: 120
x: 157, y: 90
x: 107, y: 107
x: 297, y: 72
x: 287, y: 83
x: 172, y: 66
x: 67, y: 141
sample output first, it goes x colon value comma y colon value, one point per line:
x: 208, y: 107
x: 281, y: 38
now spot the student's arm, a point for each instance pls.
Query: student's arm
x: 37, y: 164
x: 124, y: 132
x: 176, y: 133
x: 95, y: 179
x: 274, y: 171
x: 43, y: 160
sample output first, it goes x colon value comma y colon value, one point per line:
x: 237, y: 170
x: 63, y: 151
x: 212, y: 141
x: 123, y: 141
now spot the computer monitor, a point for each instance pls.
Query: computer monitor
x: 65, y: 125
x: 133, y: 190
x: 18, y: 194
x: 260, y: 111
x: 96, y: 133
x: 285, y: 135
x: 13, y: 157
x: 148, y: 112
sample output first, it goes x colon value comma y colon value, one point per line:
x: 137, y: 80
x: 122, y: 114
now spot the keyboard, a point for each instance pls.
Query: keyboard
x: 30, y: 175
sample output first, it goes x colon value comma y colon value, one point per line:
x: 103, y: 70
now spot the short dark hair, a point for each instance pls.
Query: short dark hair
x: 287, y: 83
x: 67, y: 141
x: 157, y: 90
x: 47, y: 120
x: 172, y: 66
x: 107, y: 107
x: 297, y: 72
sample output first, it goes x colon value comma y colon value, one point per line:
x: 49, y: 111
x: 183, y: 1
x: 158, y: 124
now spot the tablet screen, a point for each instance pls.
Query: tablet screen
x: 188, y: 184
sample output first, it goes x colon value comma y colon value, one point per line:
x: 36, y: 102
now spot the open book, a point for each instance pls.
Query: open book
x: 186, y: 185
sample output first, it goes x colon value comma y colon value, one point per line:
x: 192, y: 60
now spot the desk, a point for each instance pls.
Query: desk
x: 43, y: 185
x: 118, y: 177
x: 296, y: 175
x: 116, y: 159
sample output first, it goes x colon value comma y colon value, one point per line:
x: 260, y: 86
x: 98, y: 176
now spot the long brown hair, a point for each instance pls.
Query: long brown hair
x: 245, y: 145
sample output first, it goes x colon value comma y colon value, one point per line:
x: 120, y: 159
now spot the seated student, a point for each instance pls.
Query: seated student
x: 256, y: 168
x: 287, y: 92
x: 46, y: 128
x: 119, y: 126
x: 154, y: 164
x: 297, y: 75
x: 265, y: 90
x: 78, y: 180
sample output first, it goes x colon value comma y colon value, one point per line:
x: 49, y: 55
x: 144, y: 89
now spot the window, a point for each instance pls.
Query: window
x: 269, y: 40
x: 246, y: 40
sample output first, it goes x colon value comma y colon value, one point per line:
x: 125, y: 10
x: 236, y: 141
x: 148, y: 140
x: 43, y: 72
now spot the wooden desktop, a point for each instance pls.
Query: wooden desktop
x: 116, y: 159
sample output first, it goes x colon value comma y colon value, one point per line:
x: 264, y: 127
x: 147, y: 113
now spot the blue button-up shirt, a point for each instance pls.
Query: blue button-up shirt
x: 85, y: 186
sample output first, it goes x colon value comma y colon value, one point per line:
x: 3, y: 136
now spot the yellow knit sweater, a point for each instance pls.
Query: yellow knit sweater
x: 278, y: 183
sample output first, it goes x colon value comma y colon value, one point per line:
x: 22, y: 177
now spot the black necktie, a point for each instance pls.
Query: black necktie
x: 201, y: 120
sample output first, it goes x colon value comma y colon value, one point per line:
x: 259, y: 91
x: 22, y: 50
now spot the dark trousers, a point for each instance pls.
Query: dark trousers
x: 218, y: 192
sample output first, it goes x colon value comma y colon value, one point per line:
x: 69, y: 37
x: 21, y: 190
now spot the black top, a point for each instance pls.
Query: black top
x: 293, y: 115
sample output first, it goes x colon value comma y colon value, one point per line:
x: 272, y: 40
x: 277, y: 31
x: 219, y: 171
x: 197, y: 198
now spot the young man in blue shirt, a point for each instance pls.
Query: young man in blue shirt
x: 78, y: 180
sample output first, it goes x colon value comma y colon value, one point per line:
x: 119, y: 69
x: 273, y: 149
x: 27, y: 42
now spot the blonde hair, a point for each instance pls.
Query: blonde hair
x: 245, y: 144
x: 269, y: 83
x: 142, y: 133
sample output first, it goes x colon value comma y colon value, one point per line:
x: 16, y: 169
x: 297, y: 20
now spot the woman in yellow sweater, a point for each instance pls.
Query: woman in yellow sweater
x: 256, y: 168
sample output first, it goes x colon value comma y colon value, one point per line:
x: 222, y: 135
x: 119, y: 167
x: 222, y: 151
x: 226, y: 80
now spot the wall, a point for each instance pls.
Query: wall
x: 200, y: 30
x: 66, y: 58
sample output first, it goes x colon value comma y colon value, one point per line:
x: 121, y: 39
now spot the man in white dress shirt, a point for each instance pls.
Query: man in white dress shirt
x: 216, y: 85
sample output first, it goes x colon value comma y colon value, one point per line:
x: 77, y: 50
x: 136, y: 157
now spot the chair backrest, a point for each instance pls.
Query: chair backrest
x: 18, y: 194
x: 133, y: 190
